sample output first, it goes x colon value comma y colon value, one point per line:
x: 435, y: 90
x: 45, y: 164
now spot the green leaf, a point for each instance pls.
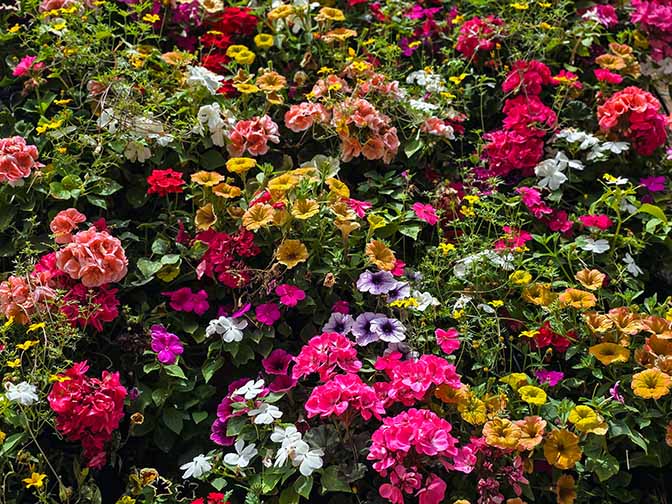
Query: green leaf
x: 199, y: 416
x: 212, y: 159
x: 410, y: 231
x: 289, y: 496
x: 412, y: 147
x: 303, y: 486
x: 175, y: 371
x: 148, y: 268
x: 173, y: 420
x: 653, y: 210
x: 107, y: 187
x: 57, y: 191
x: 332, y: 481
x: 12, y: 442
x: 97, y: 201
x: 210, y: 368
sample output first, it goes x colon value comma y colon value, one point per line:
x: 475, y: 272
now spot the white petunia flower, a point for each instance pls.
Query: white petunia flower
x: 199, y: 466
x: 265, y: 414
x: 308, y: 460
x: 23, y: 393
x: 551, y: 174
x: 135, y: 151
x: 425, y: 300
x: 228, y: 328
x: 250, y: 390
x: 243, y: 456
x: 199, y: 75
x: 631, y: 266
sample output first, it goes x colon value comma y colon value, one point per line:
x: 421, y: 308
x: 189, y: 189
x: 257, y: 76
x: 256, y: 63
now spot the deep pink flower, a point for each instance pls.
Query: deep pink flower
x: 277, y: 363
x: 267, y: 313
x: 425, y: 212
x: 27, y: 64
x: 185, y: 300
x: 166, y: 345
x: 604, y: 75
x: 527, y: 77
x: 164, y: 182
x: 448, y: 340
x: 359, y: 207
x: 601, y: 221
x: 290, y: 295
x: 341, y: 307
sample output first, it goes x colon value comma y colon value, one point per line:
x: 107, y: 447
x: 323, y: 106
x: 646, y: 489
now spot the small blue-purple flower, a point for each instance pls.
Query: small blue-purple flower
x: 388, y: 329
x: 361, y: 329
x: 376, y: 283
x: 340, y: 323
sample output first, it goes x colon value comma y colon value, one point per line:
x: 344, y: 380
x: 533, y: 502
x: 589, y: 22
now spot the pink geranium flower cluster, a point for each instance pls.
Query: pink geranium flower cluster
x: 342, y: 394
x: 17, y: 160
x: 324, y: 354
x: 634, y: 115
x: 556, y: 220
x: 252, y: 135
x: 64, y: 223
x: 302, y: 116
x: 398, y: 448
x: 519, y: 145
x: 21, y: 297
x: 478, y: 35
x: 411, y: 379
x: 88, y: 410
x: 94, y: 257
x: 223, y: 259
x: 654, y: 18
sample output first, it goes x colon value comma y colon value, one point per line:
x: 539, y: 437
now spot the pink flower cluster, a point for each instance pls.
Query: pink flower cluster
x: 302, y: 116
x: 64, y: 223
x: 222, y: 261
x: 411, y: 379
x: 478, y: 35
x: 21, y: 297
x: 252, y: 135
x: 91, y: 307
x: 94, y: 257
x: 599, y: 221
x: 323, y: 354
x: 405, y: 439
x: 556, y: 220
x: 17, y: 159
x: 634, y: 114
x: 343, y: 393
x: 88, y: 410
x: 654, y: 18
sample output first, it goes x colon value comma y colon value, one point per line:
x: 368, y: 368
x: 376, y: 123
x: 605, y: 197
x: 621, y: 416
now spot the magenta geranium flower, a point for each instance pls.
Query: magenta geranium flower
x: 448, y: 339
x: 267, y: 313
x: 277, y: 363
x: 185, y: 300
x: 289, y: 294
x: 166, y: 345
x: 425, y: 213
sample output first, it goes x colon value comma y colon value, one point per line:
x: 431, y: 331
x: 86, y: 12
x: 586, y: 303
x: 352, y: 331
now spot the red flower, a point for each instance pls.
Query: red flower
x: 163, y: 182
x: 527, y: 77
x: 238, y: 20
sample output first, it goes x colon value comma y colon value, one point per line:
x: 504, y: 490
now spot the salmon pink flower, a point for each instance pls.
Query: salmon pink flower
x: 17, y: 160
x: 64, y: 223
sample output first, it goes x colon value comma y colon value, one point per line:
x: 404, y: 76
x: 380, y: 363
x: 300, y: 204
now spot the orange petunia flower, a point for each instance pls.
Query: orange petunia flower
x: 227, y: 191
x: 258, y: 216
x: 577, y: 298
x: 501, y: 433
x: 207, y: 178
x: 532, y: 430
x: 561, y: 449
x: 651, y: 384
x: 565, y: 489
x: 380, y: 255
x: 608, y: 353
x: 591, y: 279
x: 205, y: 217
x: 292, y: 252
x: 539, y: 294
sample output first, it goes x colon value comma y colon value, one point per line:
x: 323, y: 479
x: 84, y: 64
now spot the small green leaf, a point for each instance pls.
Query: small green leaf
x: 653, y: 210
x: 175, y: 371
x: 173, y: 420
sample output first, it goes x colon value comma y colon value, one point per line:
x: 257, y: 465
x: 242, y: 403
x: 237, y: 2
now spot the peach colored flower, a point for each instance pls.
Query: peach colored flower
x: 65, y: 223
x: 532, y: 432
x: 302, y: 116
x: 94, y: 257
x: 252, y: 135
x: 17, y: 160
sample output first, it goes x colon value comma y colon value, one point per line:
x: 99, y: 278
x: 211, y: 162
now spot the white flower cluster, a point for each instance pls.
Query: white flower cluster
x: 430, y: 81
x: 218, y: 121
x: 228, y: 328
x: 587, y: 142
x: 552, y: 170
x: 295, y: 449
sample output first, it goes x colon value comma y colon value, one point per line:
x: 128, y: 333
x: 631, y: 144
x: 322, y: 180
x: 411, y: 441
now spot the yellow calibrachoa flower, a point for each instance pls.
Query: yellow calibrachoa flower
x: 151, y: 18
x: 246, y: 88
x: 291, y: 252
x: 529, y: 334
x: 240, y: 164
x: 281, y: 12
x: 36, y: 326
x: 380, y: 255
x: 58, y: 378
x: 562, y: 449
x: 228, y: 191
x: 63, y: 102
x: 496, y: 303
x: 305, y: 208
x: 502, y: 433
x: 2, y: 437
x: 408, y: 302
x: 376, y: 221
x: 584, y: 418
x: 539, y: 294
x: 520, y: 277
x: 520, y: 5
x: 565, y: 489
x: 36, y: 480
x: 532, y: 395
x: 577, y: 298
x: 472, y: 410
x: 446, y: 248
x: 14, y: 28
x: 205, y: 217
x: 245, y: 57
x: 258, y: 216
x: 591, y: 279
x: 207, y: 178
x: 330, y: 14
x: 457, y: 79
x: 126, y: 499
x: 338, y: 188
x: 263, y: 41
x: 515, y: 380
x: 27, y: 345
x: 457, y: 314
x: 651, y: 384
x: 608, y: 353
x: 234, y: 49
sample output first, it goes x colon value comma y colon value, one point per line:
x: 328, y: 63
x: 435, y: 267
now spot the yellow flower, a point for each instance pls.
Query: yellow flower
x: 281, y: 12
x: 457, y: 314
x: 207, y: 178
x: 36, y: 480
x: 14, y: 363
x: 376, y: 221
x: 151, y: 18
x: 245, y: 57
x: 263, y: 41
x: 539, y: 294
x: 235, y: 49
x: 409, y: 302
x: 446, y: 248
x: 14, y: 28
x: 271, y: 81
x: 515, y: 380
x: 457, y: 80
x: 26, y: 345
x: 532, y: 395
x: 467, y: 211
x: 472, y: 410
x: 591, y: 279
x: 205, y: 217
x: 380, y: 255
x: 496, y: 303
x: 292, y: 252
x: 338, y: 188
x: 501, y: 433
x: 529, y: 334
x: 565, y: 489
x: 545, y: 26
x: 583, y: 417
x: 520, y: 277
x: 520, y: 5
x: 227, y: 191
x: 2, y: 437
x: 246, y: 88
x: 608, y: 353
x: 58, y: 378
x: 651, y: 384
x: 577, y: 298
x: 258, y: 216
x: 36, y: 326
x: 339, y: 35
x: 240, y: 164
x: 305, y: 208
x: 63, y: 102
x: 126, y: 499
x: 330, y: 14
x: 562, y: 449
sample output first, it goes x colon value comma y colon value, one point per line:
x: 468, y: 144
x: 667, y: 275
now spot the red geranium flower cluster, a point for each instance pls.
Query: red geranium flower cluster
x: 546, y: 337
x: 238, y: 20
x: 88, y: 410
x: 344, y: 393
x: 222, y: 261
x: 634, y: 114
x: 164, y: 182
x: 212, y: 498
x: 478, y: 35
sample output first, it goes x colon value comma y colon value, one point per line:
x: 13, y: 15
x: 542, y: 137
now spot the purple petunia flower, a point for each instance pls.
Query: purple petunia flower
x: 361, y: 329
x: 380, y: 282
x: 340, y: 323
x: 615, y: 394
x: 277, y: 362
x: 388, y: 329
x: 550, y: 377
x: 400, y: 291
x: 218, y: 434
x: 166, y: 345
x: 653, y: 184
x: 282, y: 383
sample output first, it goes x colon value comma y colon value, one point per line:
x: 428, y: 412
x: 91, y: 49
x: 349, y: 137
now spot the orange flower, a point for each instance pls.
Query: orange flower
x: 561, y: 449
x: 565, y: 489
x: 346, y: 227
x: 610, y: 62
x: 597, y: 323
x: 501, y: 433
x: 577, y: 298
x: 292, y: 252
x: 625, y: 320
x: 651, y: 384
x: 380, y: 255
x: 225, y: 190
x: 337, y: 187
x: 339, y: 34
x: 658, y: 325
x: 532, y: 432
x: 591, y: 279
x: 608, y: 353
x: 271, y: 81
x: 258, y: 216
x: 305, y: 208
x: 205, y: 217
x: 539, y: 294
x: 207, y: 178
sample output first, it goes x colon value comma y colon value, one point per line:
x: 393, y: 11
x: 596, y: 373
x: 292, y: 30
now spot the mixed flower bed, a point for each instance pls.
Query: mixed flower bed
x: 344, y: 252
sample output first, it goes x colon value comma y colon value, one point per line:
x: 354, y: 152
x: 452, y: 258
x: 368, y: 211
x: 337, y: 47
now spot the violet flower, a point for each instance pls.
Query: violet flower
x: 166, y: 345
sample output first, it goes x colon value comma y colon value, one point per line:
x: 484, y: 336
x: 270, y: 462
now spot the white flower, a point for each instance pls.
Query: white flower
x: 135, y: 151
x: 286, y: 436
x: 631, y: 266
x: 308, y: 460
x: 430, y: 81
x: 265, y: 414
x: 228, y: 328
x: 108, y: 120
x: 243, y: 456
x: 24, y: 393
x: 425, y: 300
x: 422, y: 105
x: 199, y: 75
x: 595, y: 246
x: 616, y: 147
x: 575, y: 136
x: 551, y: 173
x: 250, y: 390
x: 199, y: 466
